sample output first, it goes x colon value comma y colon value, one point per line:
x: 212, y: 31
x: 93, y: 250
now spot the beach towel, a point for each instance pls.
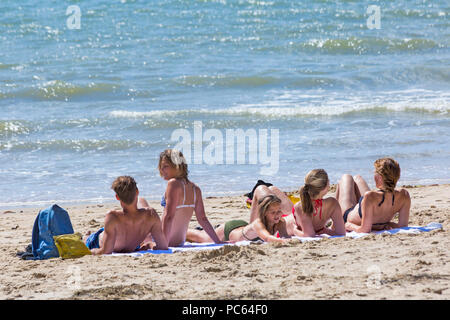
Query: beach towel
x: 211, y: 246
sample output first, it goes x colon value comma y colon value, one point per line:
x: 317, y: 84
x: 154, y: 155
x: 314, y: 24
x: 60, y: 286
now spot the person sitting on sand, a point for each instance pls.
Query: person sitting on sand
x: 181, y: 199
x: 268, y: 226
x: 131, y: 228
x: 309, y: 216
x: 365, y: 210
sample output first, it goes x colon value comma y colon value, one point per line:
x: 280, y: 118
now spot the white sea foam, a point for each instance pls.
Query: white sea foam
x: 6, y: 205
x: 289, y: 105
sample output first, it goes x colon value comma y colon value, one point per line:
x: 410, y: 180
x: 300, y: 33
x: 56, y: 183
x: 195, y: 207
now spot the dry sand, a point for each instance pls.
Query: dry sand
x: 397, y: 266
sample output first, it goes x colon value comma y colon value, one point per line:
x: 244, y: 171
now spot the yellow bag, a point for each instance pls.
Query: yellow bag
x: 293, y: 198
x: 71, y: 246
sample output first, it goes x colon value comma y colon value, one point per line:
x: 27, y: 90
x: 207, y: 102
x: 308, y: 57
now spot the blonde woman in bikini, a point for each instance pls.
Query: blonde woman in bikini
x: 309, y: 216
x: 364, y: 209
x: 181, y: 199
x: 269, y: 226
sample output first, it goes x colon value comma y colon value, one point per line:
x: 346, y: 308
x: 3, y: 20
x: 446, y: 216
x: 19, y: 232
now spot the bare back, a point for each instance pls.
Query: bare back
x: 382, y: 206
x: 129, y: 229
x: 180, y: 206
x: 321, y: 215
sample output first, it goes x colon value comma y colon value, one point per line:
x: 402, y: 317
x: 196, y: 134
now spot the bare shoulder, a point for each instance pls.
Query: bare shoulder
x: 112, y: 216
x: 372, y: 196
x: 174, y: 187
x: 150, y: 213
x: 331, y: 201
x: 404, y: 194
x: 195, y: 185
x: 173, y: 183
x: 197, y: 188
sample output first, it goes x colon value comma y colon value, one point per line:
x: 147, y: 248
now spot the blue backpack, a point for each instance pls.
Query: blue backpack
x: 50, y: 222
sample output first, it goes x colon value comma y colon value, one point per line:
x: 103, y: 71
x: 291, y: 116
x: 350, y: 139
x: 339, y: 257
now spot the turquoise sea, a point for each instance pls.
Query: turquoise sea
x: 89, y: 95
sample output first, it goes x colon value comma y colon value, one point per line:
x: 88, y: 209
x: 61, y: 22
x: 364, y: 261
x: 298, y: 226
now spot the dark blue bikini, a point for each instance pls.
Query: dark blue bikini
x: 351, y: 208
x: 359, y: 209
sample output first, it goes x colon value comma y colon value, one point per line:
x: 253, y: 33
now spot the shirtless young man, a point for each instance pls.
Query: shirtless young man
x: 131, y: 228
x: 181, y: 199
x: 365, y: 210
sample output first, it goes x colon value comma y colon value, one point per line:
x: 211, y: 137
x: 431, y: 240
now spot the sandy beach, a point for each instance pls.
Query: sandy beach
x: 397, y: 266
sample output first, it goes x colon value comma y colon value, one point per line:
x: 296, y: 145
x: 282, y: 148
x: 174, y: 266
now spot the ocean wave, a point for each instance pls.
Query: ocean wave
x: 287, y: 109
x: 380, y: 76
x: 74, y: 145
x: 415, y: 13
x: 14, y: 127
x: 357, y: 45
x: 226, y: 81
x: 7, y: 66
x: 61, y: 90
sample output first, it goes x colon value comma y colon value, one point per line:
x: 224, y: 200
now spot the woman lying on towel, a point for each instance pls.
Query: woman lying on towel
x: 365, y: 210
x: 309, y: 216
x: 181, y: 199
x: 268, y: 226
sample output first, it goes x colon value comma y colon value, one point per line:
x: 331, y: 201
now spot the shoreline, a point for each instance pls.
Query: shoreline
x: 15, y: 206
x: 408, y: 266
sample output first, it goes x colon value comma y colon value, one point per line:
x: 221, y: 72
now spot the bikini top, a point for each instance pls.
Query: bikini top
x: 318, y: 203
x: 255, y: 239
x: 382, y: 200
x: 163, y: 200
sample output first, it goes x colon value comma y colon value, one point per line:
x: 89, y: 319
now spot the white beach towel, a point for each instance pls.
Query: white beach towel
x: 211, y: 246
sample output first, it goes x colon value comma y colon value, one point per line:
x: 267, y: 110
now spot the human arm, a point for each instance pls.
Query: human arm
x: 108, y: 237
x: 338, y: 227
x: 367, y: 209
x: 306, y: 222
x: 403, y: 213
x: 349, y: 226
x: 263, y: 234
x: 202, y: 219
x: 156, y: 239
x: 291, y: 226
x: 282, y: 229
x: 158, y: 234
x: 172, y: 193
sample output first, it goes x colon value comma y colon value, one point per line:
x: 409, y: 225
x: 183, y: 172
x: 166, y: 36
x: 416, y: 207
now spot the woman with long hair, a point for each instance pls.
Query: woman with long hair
x: 364, y: 209
x: 265, y: 227
x: 308, y: 217
x: 181, y: 199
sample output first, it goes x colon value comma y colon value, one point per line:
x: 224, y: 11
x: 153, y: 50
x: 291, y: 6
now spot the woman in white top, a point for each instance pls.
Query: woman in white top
x: 181, y: 199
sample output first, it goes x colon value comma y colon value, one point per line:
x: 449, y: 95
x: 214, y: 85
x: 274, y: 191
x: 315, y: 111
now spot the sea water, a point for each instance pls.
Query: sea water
x: 90, y: 90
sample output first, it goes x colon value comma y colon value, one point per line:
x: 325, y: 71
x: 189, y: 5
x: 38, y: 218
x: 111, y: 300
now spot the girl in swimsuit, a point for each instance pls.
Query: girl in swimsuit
x: 309, y: 216
x: 265, y: 227
x: 181, y: 199
x: 365, y: 210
